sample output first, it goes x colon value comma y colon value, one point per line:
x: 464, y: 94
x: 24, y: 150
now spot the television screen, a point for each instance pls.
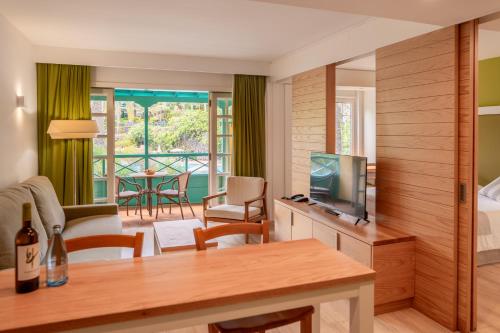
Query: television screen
x: 338, y: 182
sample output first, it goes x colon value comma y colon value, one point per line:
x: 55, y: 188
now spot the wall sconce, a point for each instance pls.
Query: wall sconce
x: 20, y: 101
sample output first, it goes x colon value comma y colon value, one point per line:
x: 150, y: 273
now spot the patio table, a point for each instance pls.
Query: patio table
x: 149, y: 186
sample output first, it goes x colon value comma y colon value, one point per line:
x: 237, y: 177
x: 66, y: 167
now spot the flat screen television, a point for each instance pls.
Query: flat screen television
x: 338, y: 182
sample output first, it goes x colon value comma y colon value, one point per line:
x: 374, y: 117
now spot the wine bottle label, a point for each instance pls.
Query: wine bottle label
x: 28, y: 262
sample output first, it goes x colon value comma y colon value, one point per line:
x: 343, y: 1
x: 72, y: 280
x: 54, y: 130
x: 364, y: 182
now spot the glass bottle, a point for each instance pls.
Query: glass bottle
x: 27, y: 255
x: 57, y: 260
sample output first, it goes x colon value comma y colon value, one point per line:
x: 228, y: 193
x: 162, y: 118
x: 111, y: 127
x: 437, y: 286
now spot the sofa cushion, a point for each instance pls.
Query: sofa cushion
x: 11, y: 201
x: 231, y: 212
x: 90, y: 226
x: 47, y: 204
x: 93, y: 225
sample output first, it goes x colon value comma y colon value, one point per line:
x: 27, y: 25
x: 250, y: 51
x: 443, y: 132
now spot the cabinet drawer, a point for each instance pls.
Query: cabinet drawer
x: 324, y: 234
x: 282, y: 223
x: 355, y: 249
x: 301, y: 227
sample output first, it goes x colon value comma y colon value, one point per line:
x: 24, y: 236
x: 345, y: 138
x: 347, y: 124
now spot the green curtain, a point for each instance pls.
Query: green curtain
x: 63, y: 92
x: 249, y: 94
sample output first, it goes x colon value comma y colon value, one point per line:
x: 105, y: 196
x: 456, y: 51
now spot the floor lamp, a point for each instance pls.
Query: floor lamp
x: 73, y: 130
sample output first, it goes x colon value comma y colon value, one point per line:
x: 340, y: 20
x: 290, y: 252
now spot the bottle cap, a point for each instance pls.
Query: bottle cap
x: 26, y: 211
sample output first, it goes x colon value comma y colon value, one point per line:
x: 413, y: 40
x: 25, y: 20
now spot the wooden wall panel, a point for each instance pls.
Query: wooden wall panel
x: 417, y: 160
x: 309, y: 91
x: 467, y: 174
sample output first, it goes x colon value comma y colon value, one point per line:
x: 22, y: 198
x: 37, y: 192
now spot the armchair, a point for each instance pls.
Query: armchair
x: 245, y: 201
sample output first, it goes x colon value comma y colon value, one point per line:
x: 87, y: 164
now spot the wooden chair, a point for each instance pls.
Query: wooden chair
x: 97, y: 241
x: 245, y: 201
x: 177, y: 194
x: 260, y: 323
x: 127, y: 195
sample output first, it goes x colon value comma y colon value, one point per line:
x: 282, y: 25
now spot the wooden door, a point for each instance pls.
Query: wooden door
x: 426, y: 183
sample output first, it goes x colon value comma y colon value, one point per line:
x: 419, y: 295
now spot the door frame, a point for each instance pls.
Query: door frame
x: 109, y: 93
x: 212, y: 130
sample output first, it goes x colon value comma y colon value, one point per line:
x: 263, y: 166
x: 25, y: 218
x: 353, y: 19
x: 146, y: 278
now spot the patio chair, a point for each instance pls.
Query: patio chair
x: 122, y: 193
x: 177, y: 194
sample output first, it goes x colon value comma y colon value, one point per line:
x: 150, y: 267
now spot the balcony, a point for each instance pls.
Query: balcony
x: 171, y: 163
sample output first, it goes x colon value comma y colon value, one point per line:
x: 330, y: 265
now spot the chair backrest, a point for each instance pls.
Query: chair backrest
x: 203, y: 235
x: 183, y: 181
x: 118, y: 182
x: 241, y: 189
x: 97, y: 241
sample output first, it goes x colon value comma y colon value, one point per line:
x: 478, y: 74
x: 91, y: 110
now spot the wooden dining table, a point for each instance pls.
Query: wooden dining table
x: 149, y: 186
x: 154, y: 294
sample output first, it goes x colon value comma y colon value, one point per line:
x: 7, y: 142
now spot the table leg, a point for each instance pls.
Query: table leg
x: 362, y: 310
x: 150, y: 195
x: 316, y: 319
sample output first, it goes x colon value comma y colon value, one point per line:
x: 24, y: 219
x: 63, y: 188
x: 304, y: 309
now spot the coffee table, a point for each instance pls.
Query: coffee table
x: 177, y: 235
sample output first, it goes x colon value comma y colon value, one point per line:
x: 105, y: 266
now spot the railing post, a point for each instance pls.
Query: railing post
x: 186, y: 163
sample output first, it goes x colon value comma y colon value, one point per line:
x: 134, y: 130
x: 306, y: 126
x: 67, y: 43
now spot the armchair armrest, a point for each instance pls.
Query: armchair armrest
x: 74, y: 212
x: 249, y: 202
x: 261, y: 197
x: 210, y: 197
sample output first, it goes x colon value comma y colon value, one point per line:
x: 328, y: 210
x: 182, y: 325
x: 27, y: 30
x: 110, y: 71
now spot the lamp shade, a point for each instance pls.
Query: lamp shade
x: 73, y: 129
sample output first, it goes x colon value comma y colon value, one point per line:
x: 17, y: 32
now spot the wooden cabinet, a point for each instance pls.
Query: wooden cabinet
x: 355, y: 249
x: 390, y: 253
x: 326, y: 235
x: 301, y: 226
x: 282, y: 223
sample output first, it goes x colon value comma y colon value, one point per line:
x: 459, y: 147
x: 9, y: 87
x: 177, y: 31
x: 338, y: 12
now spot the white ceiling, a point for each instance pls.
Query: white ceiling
x: 237, y: 29
x: 439, y: 12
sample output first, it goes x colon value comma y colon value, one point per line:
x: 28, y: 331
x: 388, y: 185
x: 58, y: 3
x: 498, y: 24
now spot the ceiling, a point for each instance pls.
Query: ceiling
x: 237, y: 29
x: 439, y: 12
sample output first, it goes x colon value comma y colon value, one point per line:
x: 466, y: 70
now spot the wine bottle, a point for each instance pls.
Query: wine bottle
x: 57, y: 260
x: 27, y: 255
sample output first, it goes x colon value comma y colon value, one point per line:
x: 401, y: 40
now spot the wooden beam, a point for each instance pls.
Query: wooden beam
x: 330, y: 108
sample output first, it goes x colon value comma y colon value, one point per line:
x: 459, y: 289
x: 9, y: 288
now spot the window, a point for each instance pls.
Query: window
x: 343, y: 127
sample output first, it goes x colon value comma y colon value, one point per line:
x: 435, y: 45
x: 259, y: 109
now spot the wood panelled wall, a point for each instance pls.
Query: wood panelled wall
x: 308, y: 124
x: 417, y: 160
x: 426, y: 137
x: 467, y: 210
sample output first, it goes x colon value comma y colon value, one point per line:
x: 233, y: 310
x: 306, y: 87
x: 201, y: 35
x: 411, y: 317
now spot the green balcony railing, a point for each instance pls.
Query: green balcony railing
x: 171, y: 163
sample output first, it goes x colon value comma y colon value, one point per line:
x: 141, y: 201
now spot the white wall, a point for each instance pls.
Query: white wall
x: 18, y: 141
x: 112, y: 77
x: 354, y: 78
x: 276, y: 94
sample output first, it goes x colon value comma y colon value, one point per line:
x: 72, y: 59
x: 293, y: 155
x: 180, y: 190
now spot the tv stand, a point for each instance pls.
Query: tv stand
x: 389, y: 252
